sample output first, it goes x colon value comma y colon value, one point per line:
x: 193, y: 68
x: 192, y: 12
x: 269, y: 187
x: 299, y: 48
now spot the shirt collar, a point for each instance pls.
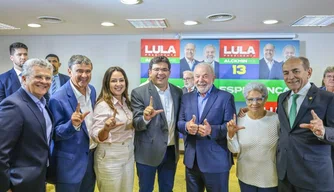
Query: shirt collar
x: 270, y: 62
x: 77, y: 93
x: 115, y: 101
x: 17, y: 71
x: 160, y: 91
x: 303, y: 91
x: 206, y: 94
x: 34, y: 98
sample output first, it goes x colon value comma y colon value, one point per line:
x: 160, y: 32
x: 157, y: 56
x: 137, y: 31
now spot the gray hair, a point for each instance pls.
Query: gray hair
x: 79, y: 59
x: 329, y: 69
x: 207, y: 46
x: 255, y: 86
x: 188, y: 72
x: 208, y: 65
x: 289, y: 46
x: 29, y: 64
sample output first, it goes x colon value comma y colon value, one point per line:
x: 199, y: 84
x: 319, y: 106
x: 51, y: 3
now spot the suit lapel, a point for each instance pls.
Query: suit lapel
x: 310, y: 96
x: 36, y: 111
x: 212, y: 98
x: 15, y: 81
x: 156, y: 100
x: 176, y: 101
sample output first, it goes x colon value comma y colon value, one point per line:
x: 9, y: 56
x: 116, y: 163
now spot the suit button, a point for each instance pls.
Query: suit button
x: 166, y: 143
x: 86, y: 153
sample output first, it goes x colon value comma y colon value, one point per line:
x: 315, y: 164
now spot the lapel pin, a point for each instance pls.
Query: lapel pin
x: 310, y: 98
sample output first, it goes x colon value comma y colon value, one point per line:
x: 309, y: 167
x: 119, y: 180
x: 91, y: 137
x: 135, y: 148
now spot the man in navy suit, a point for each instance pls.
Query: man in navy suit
x: 72, y: 106
x: 10, y: 81
x: 26, y: 129
x: 269, y: 68
x: 209, y: 55
x: 188, y: 62
x: 203, y: 116
x: 58, y: 78
x: 306, y: 131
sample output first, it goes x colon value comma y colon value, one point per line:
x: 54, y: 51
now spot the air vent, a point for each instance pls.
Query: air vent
x: 220, y: 17
x: 49, y: 19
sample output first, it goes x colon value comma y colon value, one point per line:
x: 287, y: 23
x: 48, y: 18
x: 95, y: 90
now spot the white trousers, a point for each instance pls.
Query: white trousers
x: 114, y: 166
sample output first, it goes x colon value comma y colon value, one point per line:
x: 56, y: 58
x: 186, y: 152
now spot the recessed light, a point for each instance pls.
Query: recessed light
x: 107, y: 24
x: 270, y: 21
x: 34, y: 25
x: 190, y: 23
x: 130, y: 2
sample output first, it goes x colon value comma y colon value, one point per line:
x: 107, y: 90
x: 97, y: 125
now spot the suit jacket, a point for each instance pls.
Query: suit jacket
x: 184, y: 66
x: 211, y: 152
x: 9, y: 83
x: 71, y: 147
x: 63, y: 79
x: 24, y: 148
x: 151, y: 139
x: 301, y: 156
x: 275, y: 72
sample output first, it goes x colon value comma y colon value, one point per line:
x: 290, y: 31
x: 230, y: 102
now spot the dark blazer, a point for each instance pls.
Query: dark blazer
x: 24, y: 148
x: 9, y: 83
x: 301, y: 156
x: 275, y: 72
x: 151, y: 139
x: 71, y: 147
x: 184, y: 66
x: 211, y: 152
x: 63, y: 79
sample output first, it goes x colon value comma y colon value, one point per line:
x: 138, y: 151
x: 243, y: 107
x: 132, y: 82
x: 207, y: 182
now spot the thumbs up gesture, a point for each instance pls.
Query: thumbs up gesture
x: 204, y: 129
x: 192, y: 128
x: 111, y: 123
x: 150, y: 112
x: 316, y: 125
x: 232, y: 127
x: 77, y: 117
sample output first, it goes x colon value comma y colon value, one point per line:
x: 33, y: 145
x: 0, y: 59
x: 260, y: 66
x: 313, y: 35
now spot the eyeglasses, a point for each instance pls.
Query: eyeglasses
x: 329, y: 76
x: 164, y: 70
x: 187, y: 79
x: 256, y: 100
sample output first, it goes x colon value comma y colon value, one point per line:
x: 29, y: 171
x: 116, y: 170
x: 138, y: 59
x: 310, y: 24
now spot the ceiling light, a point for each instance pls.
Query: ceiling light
x: 314, y: 21
x: 107, y: 24
x: 220, y: 17
x: 190, y: 22
x: 270, y: 21
x: 130, y: 2
x: 148, y: 23
x: 7, y: 27
x: 50, y: 19
x: 34, y: 25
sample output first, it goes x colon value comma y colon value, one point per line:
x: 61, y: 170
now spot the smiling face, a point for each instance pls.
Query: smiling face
x: 117, y: 85
x: 159, y: 75
x: 288, y: 52
x: 295, y: 75
x: 189, y: 51
x: 269, y: 52
x: 209, y: 54
x: 38, y: 82
x: 255, y: 101
x: 203, y: 78
x: 81, y: 75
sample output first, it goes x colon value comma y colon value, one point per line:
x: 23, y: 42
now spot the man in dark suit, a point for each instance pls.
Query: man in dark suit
x: 72, y: 106
x: 269, y: 68
x: 26, y: 128
x: 188, y: 62
x: 188, y: 80
x: 209, y: 55
x: 155, y: 110
x: 58, y: 79
x: 10, y: 81
x: 203, y: 117
x: 306, y: 131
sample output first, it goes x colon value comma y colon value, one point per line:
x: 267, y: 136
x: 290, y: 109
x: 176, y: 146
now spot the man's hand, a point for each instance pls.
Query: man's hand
x: 204, y: 129
x: 111, y: 123
x: 77, y: 118
x: 149, y: 111
x: 316, y: 125
x: 192, y: 128
x: 242, y: 112
x: 232, y: 127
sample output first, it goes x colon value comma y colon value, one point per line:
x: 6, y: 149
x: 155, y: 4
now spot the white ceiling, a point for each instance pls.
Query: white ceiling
x: 84, y: 16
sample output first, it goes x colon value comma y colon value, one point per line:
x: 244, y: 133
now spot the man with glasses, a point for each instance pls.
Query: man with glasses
x: 188, y: 80
x: 328, y: 79
x: 155, y: 111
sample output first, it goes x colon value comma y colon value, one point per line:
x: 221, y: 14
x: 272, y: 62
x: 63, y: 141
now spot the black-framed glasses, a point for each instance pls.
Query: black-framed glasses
x: 164, y: 70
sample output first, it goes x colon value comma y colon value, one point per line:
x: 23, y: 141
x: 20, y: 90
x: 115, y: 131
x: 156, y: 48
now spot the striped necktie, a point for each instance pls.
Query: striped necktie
x: 293, y: 110
x: 53, y: 85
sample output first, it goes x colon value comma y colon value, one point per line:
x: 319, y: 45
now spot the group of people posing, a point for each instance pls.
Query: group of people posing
x: 60, y: 131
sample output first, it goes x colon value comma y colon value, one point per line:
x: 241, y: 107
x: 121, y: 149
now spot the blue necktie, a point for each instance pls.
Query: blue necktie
x: 53, y: 85
x: 293, y: 110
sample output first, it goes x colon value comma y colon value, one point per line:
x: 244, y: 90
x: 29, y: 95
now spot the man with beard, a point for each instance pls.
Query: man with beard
x: 188, y: 62
x: 155, y: 110
x: 10, y: 81
x: 288, y: 51
x: 188, y: 80
x: 209, y: 55
x: 58, y: 79
x: 203, y: 116
x: 72, y: 106
x: 268, y: 67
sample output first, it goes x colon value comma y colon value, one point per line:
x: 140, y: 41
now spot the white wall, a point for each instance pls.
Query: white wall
x: 124, y: 51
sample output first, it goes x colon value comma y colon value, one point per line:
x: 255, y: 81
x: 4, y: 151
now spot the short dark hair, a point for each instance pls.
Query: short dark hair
x: 79, y: 59
x: 16, y: 45
x: 52, y: 55
x: 159, y: 59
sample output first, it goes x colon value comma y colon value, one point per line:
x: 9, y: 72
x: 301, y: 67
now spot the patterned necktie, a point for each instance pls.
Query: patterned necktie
x: 293, y: 110
x: 53, y: 85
